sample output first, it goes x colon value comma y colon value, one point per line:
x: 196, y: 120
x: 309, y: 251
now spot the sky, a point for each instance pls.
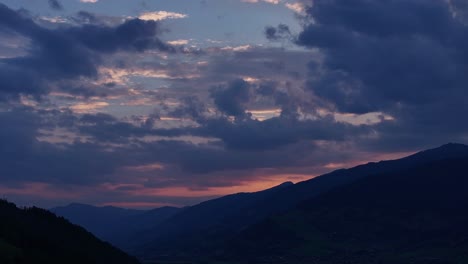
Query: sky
x: 146, y: 103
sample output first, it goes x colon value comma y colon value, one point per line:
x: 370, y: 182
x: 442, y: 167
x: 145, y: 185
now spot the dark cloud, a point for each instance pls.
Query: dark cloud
x: 232, y: 99
x: 26, y: 158
x: 98, y: 118
x: 240, y: 135
x: 244, y: 133
x: 55, y: 4
x: 132, y: 35
x: 276, y: 132
x: 379, y: 54
x: 16, y: 81
x: 83, y: 17
x: 67, y: 53
x: 277, y: 33
x: 276, y: 79
x: 407, y: 59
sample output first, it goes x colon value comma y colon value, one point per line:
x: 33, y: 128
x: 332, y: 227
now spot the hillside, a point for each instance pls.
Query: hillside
x: 414, y: 215
x: 113, y: 224
x: 198, y: 228
x: 37, y: 236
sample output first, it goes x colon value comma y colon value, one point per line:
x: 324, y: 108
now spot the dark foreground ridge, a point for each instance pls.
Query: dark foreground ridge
x: 37, y: 236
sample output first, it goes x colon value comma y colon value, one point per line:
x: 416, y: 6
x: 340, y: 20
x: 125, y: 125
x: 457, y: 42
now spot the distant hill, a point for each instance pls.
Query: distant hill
x: 113, y: 224
x: 413, y: 212
x: 37, y: 236
x: 200, y: 226
x: 199, y: 229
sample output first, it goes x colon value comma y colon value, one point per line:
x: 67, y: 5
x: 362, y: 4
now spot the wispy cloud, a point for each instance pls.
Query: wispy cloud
x: 296, y: 7
x: 178, y: 42
x: 88, y: 107
x: 275, y: 2
x: 237, y: 48
x: 161, y: 15
x: 57, y: 19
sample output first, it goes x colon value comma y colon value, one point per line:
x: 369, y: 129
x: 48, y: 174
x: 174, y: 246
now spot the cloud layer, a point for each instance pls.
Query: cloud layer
x: 101, y: 108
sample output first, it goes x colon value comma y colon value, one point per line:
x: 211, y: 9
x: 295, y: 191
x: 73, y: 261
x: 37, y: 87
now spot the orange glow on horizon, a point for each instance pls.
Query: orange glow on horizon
x: 264, y: 182
x: 141, y: 205
x: 261, y: 179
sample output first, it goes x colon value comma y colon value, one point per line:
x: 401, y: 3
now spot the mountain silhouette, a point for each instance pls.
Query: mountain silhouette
x: 195, y: 231
x: 201, y: 225
x: 114, y: 224
x: 256, y: 227
x: 413, y: 213
x: 37, y: 236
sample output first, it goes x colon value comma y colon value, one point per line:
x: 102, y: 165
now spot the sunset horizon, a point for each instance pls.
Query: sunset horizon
x: 194, y: 131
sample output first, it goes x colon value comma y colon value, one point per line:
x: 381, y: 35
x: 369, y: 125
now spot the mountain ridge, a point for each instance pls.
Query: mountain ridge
x: 196, y: 230
x: 280, y: 200
x: 416, y: 215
